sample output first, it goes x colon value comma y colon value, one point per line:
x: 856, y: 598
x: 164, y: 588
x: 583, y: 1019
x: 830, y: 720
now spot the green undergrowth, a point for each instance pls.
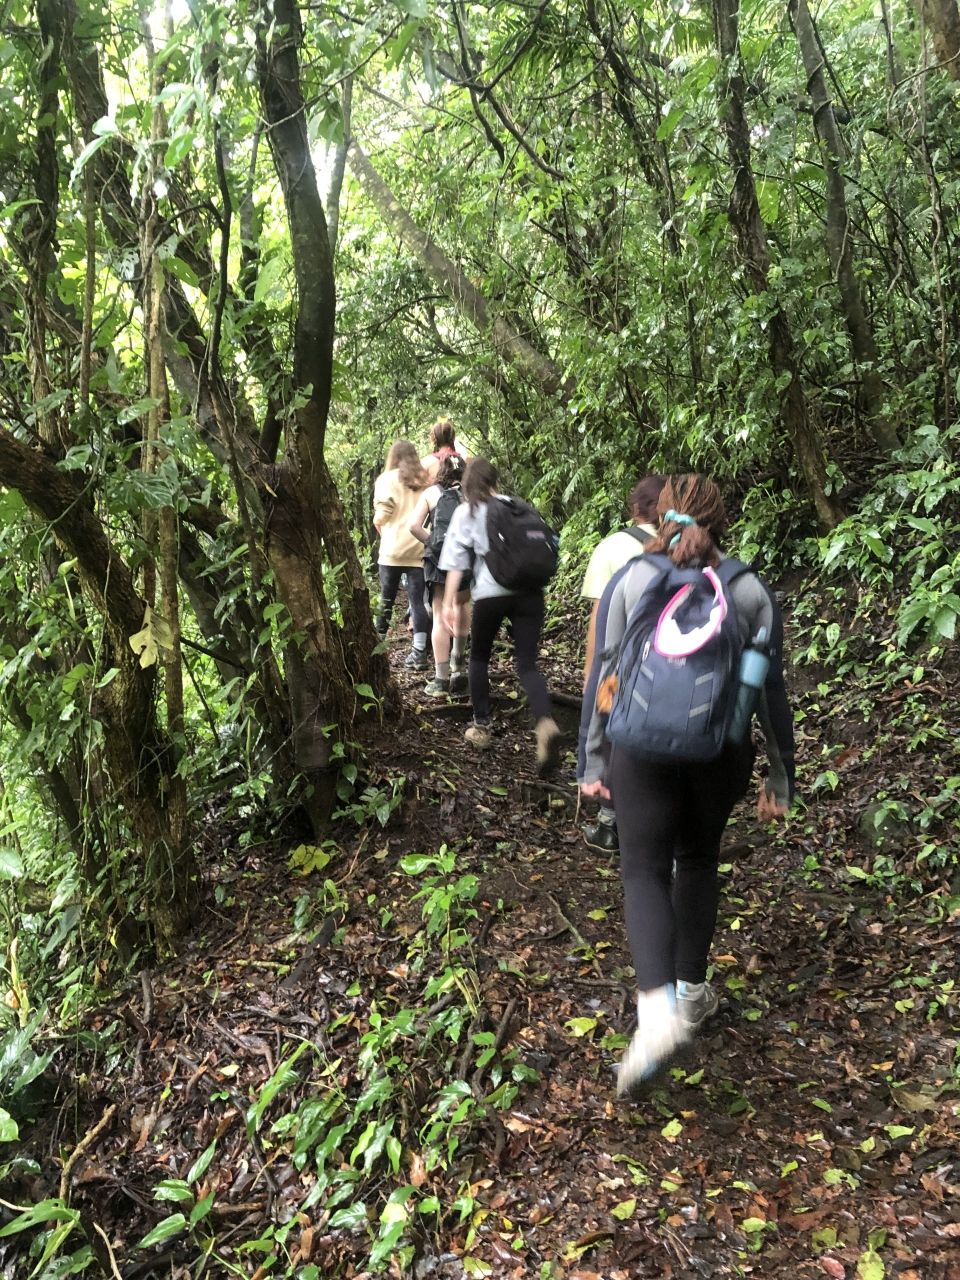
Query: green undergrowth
x: 377, y: 1114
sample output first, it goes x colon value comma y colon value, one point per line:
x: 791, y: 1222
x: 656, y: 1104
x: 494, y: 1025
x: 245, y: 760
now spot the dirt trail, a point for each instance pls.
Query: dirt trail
x: 812, y: 1130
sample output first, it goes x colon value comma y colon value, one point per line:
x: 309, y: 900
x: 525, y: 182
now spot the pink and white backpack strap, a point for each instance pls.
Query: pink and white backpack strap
x: 670, y: 642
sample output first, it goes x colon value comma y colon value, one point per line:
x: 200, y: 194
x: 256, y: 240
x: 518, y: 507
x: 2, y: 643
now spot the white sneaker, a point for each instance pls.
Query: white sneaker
x: 660, y: 1033
x: 696, y: 1001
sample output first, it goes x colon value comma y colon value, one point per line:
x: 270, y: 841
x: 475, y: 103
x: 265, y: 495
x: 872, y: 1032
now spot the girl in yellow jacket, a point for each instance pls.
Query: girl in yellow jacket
x: 395, y: 496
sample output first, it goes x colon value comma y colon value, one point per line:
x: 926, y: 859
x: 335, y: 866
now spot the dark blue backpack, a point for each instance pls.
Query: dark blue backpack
x: 675, y: 675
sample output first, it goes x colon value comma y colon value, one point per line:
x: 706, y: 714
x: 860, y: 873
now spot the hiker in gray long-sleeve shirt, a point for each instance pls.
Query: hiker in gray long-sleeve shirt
x: 671, y: 813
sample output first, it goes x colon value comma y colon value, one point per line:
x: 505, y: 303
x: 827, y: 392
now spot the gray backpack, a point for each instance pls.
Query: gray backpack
x: 677, y: 667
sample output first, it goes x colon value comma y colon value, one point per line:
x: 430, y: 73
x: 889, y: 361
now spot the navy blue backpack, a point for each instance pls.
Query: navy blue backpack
x: 671, y: 686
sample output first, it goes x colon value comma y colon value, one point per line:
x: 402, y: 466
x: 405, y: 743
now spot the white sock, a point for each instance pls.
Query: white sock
x: 443, y: 670
x: 420, y: 641
x: 689, y: 990
x: 656, y: 1006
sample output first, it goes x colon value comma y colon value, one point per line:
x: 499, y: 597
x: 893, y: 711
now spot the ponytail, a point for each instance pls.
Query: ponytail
x: 480, y: 481
x: 693, y: 519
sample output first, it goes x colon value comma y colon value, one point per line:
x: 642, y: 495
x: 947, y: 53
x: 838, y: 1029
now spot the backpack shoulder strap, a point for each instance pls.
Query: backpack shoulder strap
x: 659, y: 560
x: 730, y: 568
x: 641, y: 535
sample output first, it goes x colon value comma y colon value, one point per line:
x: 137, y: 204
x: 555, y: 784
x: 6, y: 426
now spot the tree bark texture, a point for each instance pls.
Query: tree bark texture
x: 138, y: 753
x: 751, y: 236
x: 942, y: 20
x: 839, y: 230
x: 305, y: 514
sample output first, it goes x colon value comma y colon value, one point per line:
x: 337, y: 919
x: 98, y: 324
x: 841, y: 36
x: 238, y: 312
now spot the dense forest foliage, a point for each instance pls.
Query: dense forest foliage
x: 242, y: 249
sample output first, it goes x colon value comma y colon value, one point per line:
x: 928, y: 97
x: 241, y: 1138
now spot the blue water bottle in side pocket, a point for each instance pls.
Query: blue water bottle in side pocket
x: 754, y: 665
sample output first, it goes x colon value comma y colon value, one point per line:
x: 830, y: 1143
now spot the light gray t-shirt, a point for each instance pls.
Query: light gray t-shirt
x: 465, y: 546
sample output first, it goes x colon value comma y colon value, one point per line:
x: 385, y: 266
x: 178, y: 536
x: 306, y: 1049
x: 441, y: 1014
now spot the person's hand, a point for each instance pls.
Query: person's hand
x: 448, y: 616
x: 769, y: 808
x: 595, y: 789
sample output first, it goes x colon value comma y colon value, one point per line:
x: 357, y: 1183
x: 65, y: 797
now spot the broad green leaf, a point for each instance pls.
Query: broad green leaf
x: 45, y: 1211
x: 166, y: 1229
x: 178, y: 148
x: 670, y: 122
x: 11, y: 864
x: 580, y: 1026
x: 8, y: 1127
x: 201, y: 1164
x: 201, y: 1209
x: 172, y: 1189
x: 269, y: 274
x: 870, y: 1266
x: 625, y: 1209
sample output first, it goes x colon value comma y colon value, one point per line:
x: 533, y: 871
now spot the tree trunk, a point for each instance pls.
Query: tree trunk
x: 539, y: 369
x: 839, y: 231
x: 942, y: 20
x: 755, y: 252
x: 305, y: 511
x: 139, y: 755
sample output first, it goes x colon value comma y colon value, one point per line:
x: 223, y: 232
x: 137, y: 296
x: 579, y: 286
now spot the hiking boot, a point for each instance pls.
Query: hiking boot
x: 437, y: 688
x: 459, y: 684
x: 696, y: 1001
x: 661, y: 1033
x: 479, y: 736
x: 602, y: 836
x: 548, y: 746
x: 416, y: 660
x: 381, y: 624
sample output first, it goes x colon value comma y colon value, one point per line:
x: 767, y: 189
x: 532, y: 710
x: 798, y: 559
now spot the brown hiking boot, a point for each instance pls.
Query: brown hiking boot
x: 480, y: 736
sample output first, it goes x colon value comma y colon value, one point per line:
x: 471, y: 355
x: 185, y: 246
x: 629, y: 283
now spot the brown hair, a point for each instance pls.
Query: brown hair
x: 690, y: 544
x: 644, y: 497
x: 451, y: 471
x: 443, y: 432
x: 404, y: 457
x: 480, y: 481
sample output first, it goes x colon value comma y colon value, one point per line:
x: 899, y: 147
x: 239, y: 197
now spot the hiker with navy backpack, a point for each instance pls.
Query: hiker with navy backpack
x: 689, y: 648
x: 429, y: 525
x: 609, y: 556
x: 511, y: 554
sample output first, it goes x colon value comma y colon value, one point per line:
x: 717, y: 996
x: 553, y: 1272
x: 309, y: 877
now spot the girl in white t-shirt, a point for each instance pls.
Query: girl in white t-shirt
x: 430, y: 520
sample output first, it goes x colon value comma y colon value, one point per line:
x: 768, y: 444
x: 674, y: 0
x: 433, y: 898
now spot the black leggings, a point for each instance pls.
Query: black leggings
x: 670, y: 818
x: 526, y: 613
x: 390, y: 575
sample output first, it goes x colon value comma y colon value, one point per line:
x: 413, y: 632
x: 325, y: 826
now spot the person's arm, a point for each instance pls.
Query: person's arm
x: 417, y: 524
x: 611, y: 622
x: 591, y: 642
x: 384, y: 503
x: 775, y: 716
x: 595, y: 579
x: 456, y: 558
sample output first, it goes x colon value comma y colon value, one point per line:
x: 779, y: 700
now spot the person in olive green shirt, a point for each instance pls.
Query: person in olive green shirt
x: 609, y: 557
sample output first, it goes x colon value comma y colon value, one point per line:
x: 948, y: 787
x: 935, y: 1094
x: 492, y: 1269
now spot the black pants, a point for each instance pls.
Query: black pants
x: 526, y: 613
x: 670, y: 818
x: 390, y: 575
